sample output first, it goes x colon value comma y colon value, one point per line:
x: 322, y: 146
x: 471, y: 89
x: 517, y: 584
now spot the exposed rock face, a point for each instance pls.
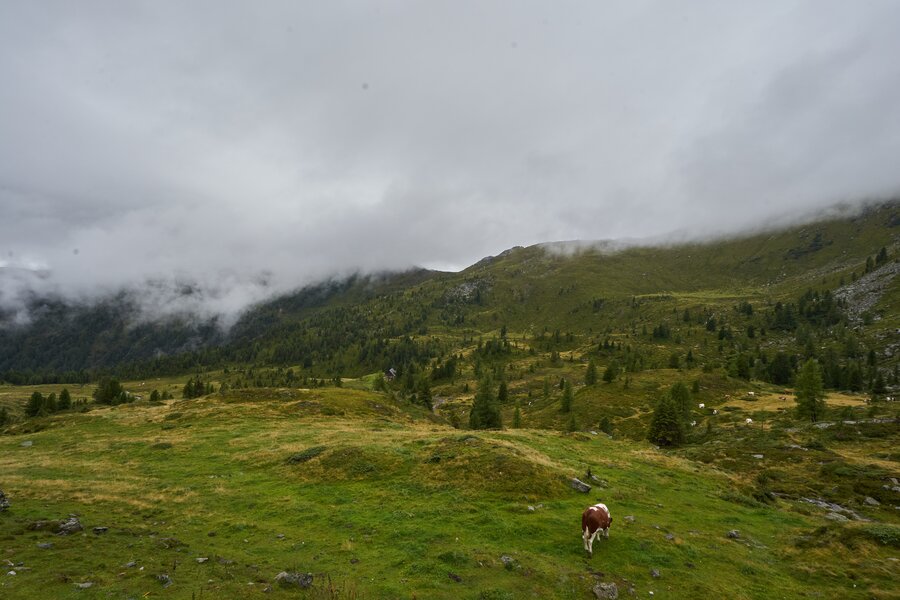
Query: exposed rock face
x: 734, y: 534
x: 579, y: 485
x: 4, y: 501
x: 862, y: 294
x: 606, y: 591
x: 302, y: 580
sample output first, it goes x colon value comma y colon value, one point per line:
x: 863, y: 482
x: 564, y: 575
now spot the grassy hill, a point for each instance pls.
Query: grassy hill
x: 377, y: 499
x: 302, y: 457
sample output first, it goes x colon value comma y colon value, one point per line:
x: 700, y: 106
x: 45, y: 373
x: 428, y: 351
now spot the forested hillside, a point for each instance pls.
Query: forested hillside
x: 753, y: 305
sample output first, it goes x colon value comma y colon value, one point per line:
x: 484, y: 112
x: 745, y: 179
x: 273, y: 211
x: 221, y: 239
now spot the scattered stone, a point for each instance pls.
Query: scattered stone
x: 454, y: 577
x: 4, y: 501
x: 164, y: 579
x: 895, y: 481
x: 654, y: 573
x: 301, y: 580
x: 11, y: 573
x: 224, y: 561
x: 833, y: 516
x: 353, y: 561
x: 670, y: 536
x: 100, y: 530
x: 629, y: 518
x: 757, y: 456
x: 606, y: 591
x: 579, y: 486
x: 280, y: 536
x: 131, y: 564
x: 27, y: 444
x: 530, y: 508
x: 69, y: 526
x: 45, y: 545
x: 202, y: 560
x: 833, y: 508
x: 508, y: 561
x: 85, y: 585
x: 872, y: 501
x: 734, y: 534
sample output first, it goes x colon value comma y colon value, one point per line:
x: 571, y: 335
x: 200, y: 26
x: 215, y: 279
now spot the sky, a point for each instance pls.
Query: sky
x: 247, y: 149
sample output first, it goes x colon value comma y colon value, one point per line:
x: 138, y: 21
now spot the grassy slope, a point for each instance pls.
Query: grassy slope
x: 394, y: 504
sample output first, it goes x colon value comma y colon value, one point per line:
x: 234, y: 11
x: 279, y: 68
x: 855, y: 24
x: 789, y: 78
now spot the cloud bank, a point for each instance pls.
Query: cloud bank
x: 249, y: 150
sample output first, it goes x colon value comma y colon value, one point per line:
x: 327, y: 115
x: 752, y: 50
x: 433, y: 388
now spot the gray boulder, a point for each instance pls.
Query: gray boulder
x: 872, y: 501
x: 579, y: 485
x: 301, y: 580
x: 4, y: 501
x: 69, y: 526
x: 606, y: 591
x: 833, y: 516
x: 734, y: 534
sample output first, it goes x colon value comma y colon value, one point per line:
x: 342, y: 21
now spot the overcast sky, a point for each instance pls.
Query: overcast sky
x: 256, y: 146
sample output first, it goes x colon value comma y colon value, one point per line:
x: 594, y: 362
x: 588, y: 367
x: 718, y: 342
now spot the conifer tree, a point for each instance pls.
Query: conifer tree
x: 809, y: 394
x: 35, y: 405
x: 567, y: 397
x: 484, y: 413
x: 65, y: 400
x: 681, y: 397
x: 665, y: 426
x: 502, y: 394
x: 590, y: 377
x: 517, y: 417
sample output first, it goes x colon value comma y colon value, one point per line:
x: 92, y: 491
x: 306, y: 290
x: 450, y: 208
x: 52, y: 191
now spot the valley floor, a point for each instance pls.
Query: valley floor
x: 214, y: 497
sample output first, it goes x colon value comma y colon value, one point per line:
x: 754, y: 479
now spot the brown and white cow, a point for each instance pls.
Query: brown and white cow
x: 594, y: 519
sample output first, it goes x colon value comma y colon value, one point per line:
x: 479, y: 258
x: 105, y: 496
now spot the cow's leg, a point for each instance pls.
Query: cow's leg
x: 606, y: 533
x: 591, y: 542
x: 584, y: 538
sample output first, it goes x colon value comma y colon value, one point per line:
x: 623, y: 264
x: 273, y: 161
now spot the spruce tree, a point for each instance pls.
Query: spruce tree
x: 517, y: 417
x: 809, y: 394
x: 681, y: 397
x: 485, y: 413
x: 611, y: 372
x: 567, y: 397
x: 590, y: 377
x: 502, y: 394
x: 35, y: 405
x: 65, y: 400
x: 665, y: 426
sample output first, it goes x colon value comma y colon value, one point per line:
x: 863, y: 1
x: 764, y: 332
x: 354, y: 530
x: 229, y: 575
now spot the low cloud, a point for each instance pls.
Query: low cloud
x: 239, y: 153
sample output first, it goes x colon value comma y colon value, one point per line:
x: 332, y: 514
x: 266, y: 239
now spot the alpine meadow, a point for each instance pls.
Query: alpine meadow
x: 450, y: 300
x: 434, y: 435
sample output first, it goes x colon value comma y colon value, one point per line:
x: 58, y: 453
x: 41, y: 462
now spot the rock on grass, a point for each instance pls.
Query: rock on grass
x: 291, y: 579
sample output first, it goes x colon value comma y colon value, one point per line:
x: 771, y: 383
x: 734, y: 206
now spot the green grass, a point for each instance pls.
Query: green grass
x: 388, y: 505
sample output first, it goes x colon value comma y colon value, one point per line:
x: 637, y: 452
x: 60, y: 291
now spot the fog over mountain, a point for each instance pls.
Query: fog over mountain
x: 236, y: 150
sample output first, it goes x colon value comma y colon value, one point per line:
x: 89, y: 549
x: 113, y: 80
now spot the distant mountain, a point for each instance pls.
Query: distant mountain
x: 364, y: 323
